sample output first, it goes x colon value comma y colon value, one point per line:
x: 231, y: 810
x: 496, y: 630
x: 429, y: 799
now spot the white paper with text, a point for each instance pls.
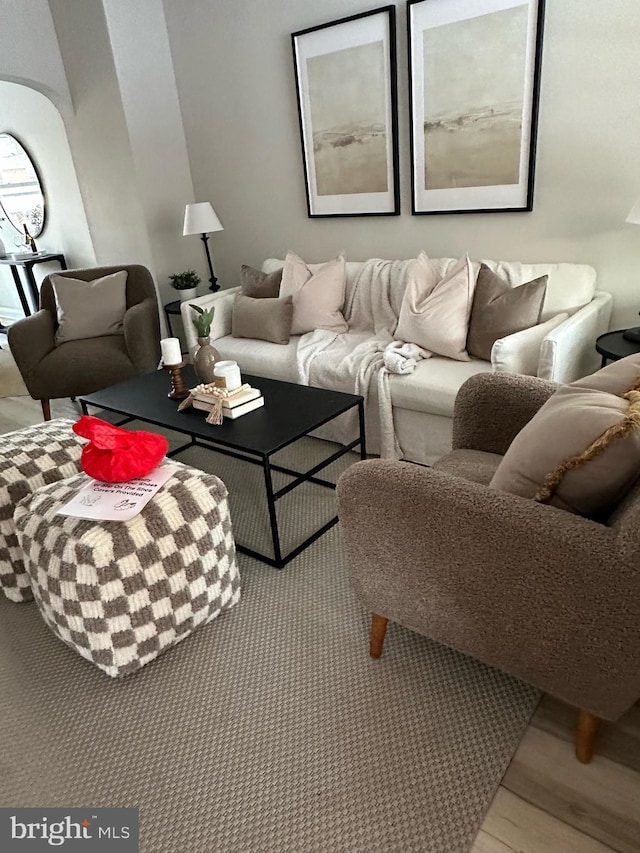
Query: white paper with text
x: 117, y: 501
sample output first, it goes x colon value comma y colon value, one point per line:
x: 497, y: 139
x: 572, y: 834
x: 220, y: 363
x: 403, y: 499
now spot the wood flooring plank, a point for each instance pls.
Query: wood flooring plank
x: 600, y: 799
x: 18, y: 412
x: 619, y: 741
x: 523, y: 828
x: 486, y: 843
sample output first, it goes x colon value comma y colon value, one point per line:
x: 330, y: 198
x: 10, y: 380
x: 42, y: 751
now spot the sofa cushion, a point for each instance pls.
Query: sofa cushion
x: 586, y: 433
x: 433, y: 385
x: 260, y: 285
x: 261, y: 358
x: 318, y: 292
x: 435, y: 310
x: 89, y: 309
x: 569, y: 286
x: 499, y: 310
x: 264, y: 319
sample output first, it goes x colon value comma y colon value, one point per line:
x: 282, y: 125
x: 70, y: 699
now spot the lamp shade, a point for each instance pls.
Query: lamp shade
x: 200, y: 218
x: 634, y: 214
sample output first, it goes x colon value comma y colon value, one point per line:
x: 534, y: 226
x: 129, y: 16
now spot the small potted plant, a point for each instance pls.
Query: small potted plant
x: 206, y: 356
x: 186, y: 283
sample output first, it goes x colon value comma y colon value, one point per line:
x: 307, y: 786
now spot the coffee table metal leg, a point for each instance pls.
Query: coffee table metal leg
x: 273, y: 519
x: 363, y: 442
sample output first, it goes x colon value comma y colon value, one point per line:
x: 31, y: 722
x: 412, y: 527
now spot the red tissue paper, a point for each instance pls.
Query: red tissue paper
x: 116, y: 455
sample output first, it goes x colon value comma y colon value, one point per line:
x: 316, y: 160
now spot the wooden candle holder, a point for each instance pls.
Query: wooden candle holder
x: 178, y: 391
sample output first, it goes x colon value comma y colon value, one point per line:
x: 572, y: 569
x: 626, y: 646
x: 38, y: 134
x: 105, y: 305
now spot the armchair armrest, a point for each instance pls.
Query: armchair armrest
x: 142, y: 335
x: 30, y: 340
x: 522, y: 586
x: 222, y: 301
x: 568, y: 352
x: 492, y: 408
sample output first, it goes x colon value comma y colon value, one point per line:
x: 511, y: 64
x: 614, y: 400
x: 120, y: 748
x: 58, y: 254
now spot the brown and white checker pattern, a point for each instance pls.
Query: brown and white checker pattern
x: 121, y: 592
x: 29, y: 459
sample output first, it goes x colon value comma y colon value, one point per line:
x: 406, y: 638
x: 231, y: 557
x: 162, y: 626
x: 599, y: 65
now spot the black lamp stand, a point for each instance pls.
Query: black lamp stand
x: 213, y: 286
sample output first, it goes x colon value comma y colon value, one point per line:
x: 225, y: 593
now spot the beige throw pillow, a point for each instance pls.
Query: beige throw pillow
x: 435, y: 312
x: 499, y: 310
x: 318, y: 292
x: 89, y: 309
x: 568, y: 424
x: 263, y: 319
x: 260, y: 285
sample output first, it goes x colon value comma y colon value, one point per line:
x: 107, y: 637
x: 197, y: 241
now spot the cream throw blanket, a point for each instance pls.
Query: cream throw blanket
x: 354, y: 362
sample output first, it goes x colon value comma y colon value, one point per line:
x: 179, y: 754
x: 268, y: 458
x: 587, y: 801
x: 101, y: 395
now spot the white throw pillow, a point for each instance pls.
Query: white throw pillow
x: 435, y: 312
x: 520, y: 352
x: 318, y: 292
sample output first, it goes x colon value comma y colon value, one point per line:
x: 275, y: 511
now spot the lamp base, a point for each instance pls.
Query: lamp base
x: 632, y: 335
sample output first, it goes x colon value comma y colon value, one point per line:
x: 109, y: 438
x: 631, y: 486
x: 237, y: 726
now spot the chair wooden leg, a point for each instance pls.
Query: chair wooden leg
x: 46, y: 409
x: 585, y: 734
x: 378, y: 631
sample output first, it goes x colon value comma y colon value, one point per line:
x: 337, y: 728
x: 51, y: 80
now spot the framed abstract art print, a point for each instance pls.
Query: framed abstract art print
x: 474, y: 68
x: 347, y: 106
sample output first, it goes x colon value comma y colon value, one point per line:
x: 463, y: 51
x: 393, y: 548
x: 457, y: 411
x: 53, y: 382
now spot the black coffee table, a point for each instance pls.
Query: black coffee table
x: 290, y: 412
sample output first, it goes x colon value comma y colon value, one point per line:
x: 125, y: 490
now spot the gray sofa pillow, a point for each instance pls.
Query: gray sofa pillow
x: 89, y: 309
x: 264, y: 319
x: 260, y: 285
x: 499, y: 310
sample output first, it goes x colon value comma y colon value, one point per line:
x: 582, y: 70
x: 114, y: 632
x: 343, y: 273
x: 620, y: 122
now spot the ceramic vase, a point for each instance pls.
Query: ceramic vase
x: 188, y: 295
x: 205, y: 360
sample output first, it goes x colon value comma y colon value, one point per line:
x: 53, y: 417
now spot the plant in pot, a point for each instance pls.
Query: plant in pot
x: 206, y: 356
x: 186, y: 283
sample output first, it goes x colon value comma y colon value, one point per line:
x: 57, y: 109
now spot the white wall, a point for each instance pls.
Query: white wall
x: 236, y: 86
x: 33, y: 119
x: 29, y: 50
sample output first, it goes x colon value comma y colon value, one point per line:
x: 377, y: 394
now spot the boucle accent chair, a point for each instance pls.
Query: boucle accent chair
x: 87, y: 365
x: 541, y: 593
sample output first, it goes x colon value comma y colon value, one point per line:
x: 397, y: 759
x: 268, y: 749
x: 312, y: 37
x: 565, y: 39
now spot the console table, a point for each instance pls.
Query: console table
x: 27, y: 262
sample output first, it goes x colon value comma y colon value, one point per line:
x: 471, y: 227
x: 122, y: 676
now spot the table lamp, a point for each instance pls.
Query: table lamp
x: 633, y: 217
x: 200, y: 218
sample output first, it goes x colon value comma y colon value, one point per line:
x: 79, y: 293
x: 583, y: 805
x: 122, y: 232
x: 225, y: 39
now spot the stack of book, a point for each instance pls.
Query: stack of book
x: 234, y: 403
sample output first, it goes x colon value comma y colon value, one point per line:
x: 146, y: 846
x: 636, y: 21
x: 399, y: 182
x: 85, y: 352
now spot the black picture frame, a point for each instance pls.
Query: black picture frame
x: 468, y: 154
x: 350, y: 141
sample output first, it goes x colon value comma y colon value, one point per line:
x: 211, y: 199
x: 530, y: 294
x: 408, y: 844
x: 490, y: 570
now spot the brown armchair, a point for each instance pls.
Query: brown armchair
x: 83, y: 366
x: 542, y: 594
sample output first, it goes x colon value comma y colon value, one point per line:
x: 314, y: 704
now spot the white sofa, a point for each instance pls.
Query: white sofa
x: 423, y: 400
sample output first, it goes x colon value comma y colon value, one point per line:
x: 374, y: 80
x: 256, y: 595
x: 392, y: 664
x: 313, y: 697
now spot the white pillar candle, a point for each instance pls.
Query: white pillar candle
x: 229, y: 372
x: 171, y: 351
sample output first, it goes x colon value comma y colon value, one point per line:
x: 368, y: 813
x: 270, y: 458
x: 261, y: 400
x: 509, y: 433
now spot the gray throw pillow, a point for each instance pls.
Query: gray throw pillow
x: 264, y: 319
x: 260, y: 285
x: 89, y: 309
x: 499, y: 310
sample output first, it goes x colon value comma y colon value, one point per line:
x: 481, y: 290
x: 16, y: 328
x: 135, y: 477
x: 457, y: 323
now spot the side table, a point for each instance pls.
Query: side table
x: 612, y: 346
x: 27, y: 262
x: 172, y: 309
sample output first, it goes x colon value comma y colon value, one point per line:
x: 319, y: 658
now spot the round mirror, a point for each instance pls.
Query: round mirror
x: 21, y: 193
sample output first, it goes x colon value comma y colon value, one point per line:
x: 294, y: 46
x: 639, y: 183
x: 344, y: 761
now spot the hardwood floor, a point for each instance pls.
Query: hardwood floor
x: 548, y: 802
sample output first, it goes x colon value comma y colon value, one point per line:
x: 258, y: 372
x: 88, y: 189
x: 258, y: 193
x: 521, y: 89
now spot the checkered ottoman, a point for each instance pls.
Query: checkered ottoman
x: 30, y: 458
x: 121, y: 592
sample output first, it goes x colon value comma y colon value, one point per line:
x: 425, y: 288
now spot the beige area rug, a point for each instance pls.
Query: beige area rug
x: 11, y: 384
x: 270, y: 729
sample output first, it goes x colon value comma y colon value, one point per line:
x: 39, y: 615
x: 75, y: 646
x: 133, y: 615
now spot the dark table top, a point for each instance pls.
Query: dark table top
x: 614, y: 346
x: 34, y: 257
x: 289, y: 412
